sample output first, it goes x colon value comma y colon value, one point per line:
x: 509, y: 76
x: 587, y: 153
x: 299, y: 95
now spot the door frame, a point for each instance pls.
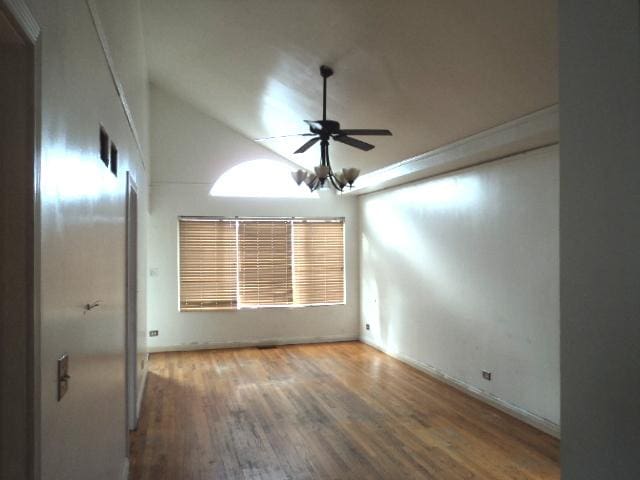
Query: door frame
x: 25, y: 260
x: 131, y: 314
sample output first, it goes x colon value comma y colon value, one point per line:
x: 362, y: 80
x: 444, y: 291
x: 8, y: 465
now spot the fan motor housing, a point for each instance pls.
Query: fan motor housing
x: 328, y: 127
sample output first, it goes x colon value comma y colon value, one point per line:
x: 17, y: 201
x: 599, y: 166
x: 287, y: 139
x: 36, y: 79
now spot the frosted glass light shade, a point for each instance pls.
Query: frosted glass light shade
x: 310, y: 180
x: 322, y: 171
x: 299, y: 176
x: 350, y: 175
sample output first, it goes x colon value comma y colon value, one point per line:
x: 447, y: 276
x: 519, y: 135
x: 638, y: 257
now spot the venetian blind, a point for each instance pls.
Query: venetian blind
x: 208, y: 264
x: 264, y: 253
x: 318, y: 259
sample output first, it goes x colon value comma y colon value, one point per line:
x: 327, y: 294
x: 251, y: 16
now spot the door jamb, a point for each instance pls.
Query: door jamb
x: 25, y: 23
x: 131, y: 333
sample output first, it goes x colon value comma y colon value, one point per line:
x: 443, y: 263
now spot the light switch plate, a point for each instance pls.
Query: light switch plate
x: 63, y: 375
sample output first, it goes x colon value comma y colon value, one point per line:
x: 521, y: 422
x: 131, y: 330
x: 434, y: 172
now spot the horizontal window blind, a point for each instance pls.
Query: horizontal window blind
x: 208, y: 264
x: 264, y: 252
x: 236, y: 263
x: 318, y: 262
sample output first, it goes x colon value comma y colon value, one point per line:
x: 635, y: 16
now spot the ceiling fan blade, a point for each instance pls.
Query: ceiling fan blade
x: 307, y: 145
x: 353, y: 142
x: 362, y: 131
x: 283, y: 136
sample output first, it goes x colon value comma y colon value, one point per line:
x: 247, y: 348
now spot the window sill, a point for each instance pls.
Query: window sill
x: 259, y: 307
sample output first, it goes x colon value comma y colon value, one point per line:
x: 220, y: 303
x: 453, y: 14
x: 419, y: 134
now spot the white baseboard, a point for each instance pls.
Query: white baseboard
x: 141, y: 387
x: 522, y: 414
x: 125, y: 470
x: 251, y: 343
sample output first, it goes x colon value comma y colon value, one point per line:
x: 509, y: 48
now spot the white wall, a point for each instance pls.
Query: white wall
x: 459, y: 273
x: 600, y: 239
x: 189, y: 151
x: 83, y: 240
x: 190, y: 147
x: 121, y: 21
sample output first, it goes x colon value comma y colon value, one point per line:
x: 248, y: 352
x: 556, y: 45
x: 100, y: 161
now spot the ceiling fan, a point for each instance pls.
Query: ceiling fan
x: 324, y: 130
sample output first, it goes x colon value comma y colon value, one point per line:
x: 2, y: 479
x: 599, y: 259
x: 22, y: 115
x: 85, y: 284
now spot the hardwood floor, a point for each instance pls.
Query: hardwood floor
x: 325, y: 411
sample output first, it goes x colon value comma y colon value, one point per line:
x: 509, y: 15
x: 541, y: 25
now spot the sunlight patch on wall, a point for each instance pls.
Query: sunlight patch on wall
x: 73, y: 174
x: 259, y: 178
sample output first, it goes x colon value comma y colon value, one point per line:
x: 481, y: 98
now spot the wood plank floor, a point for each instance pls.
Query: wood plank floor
x: 325, y: 411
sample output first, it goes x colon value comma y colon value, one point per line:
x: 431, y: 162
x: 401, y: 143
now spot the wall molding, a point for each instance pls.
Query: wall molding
x: 106, y: 50
x: 532, y: 131
x: 185, y: 347
x: 522, y: 414
x: 21, y: 14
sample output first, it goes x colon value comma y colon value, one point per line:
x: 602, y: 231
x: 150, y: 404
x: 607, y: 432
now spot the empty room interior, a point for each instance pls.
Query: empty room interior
x: 326, y: 239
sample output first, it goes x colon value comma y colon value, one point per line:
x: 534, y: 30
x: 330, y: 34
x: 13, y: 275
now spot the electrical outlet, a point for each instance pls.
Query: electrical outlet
x: 367, y: 326
x: 486, y: 375
x: 153, y: 333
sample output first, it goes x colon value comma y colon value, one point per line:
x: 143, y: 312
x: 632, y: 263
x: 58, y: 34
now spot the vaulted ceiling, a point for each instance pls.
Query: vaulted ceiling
x: 431, y: 71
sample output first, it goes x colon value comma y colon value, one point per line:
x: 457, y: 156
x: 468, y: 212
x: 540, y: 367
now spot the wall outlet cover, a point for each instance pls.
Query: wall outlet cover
x: 153, y: 333
x: 486, y: 375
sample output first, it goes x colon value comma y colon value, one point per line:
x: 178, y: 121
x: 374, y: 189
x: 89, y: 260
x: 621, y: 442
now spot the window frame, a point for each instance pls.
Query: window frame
x: 239, y: 306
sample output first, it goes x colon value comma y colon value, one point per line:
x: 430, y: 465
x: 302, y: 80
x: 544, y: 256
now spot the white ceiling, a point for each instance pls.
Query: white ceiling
x: 432, y: 72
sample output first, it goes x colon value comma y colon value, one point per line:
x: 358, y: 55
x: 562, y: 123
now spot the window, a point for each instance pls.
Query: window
x: 208, y: 264
x: 318, y: 262
x: 264, y: 270
x: 248, y: 263
x: 260, y: 178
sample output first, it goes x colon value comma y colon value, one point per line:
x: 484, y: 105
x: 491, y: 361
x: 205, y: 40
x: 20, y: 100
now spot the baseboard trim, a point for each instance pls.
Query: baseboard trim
x: 252, y: 343
x: 536, y: 421
x: 125, y: 470
x: 141, y: 388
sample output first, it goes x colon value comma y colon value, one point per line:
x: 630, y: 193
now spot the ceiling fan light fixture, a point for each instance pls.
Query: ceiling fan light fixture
x: 310, y: 180
x: 299, y: 176
x: 322, y: 172
x: 323, y: 131
x: 350, y: 175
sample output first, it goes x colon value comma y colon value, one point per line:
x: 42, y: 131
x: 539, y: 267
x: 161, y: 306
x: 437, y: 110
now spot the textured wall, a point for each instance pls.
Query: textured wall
x: 459, y: 273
